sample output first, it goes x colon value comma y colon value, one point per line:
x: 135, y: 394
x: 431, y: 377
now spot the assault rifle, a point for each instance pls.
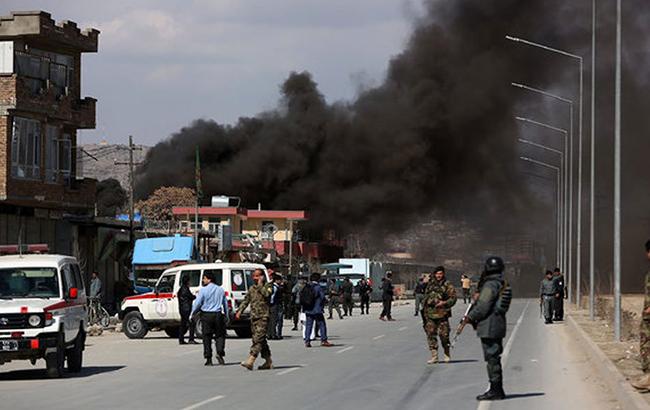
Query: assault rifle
x: 462, y: 324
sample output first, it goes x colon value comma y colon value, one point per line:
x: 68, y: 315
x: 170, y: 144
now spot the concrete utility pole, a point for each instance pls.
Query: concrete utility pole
x: 617, y: 181
x: 131, y: 165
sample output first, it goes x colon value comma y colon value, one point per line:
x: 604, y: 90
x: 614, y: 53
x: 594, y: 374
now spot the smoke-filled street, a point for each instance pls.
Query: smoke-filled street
x: 373, y: 365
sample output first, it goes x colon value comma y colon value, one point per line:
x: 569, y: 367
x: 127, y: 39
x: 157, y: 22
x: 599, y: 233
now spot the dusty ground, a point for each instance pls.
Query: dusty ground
x: 624, y: 354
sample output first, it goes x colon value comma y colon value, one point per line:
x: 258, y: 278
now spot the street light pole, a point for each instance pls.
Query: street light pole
x: 579, y: 216
x: 592, y: 164
x: 564, y: 201
x: 617, y: 181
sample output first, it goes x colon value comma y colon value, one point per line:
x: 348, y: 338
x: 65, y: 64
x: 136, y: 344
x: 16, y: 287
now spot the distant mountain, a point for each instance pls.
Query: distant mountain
x: 98, y: 161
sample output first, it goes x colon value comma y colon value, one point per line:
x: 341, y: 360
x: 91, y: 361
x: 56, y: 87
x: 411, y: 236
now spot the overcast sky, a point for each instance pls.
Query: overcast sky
x: 163, y: 63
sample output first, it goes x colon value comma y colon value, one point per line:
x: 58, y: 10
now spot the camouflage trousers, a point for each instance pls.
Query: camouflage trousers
x: 435, y: 328
x: 259, y: 345
x: 644, y: 345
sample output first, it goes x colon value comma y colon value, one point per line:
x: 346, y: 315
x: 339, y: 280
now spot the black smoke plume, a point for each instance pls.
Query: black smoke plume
x: 439, y: 132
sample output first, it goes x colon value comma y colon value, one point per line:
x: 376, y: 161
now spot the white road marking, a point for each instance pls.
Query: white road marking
x: 485, y: 405
x: 403, y: 328
x: 345, y: 349
x: 378, y: 337
x: 204, y: 402
x: 287, y: 371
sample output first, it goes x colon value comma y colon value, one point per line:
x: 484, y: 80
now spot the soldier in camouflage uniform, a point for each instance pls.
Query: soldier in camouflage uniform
x: 439, y: 297
x: 258, y: 298
x: 643, y: 383
x: 333, y: 293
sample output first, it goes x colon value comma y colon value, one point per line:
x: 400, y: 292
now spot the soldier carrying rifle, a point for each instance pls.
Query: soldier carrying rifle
x: 439, y: 297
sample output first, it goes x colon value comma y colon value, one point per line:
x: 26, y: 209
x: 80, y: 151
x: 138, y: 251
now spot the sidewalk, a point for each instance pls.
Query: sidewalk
x: 620, y: 360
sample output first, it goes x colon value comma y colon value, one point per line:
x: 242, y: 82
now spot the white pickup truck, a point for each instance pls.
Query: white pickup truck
x: 159, y: 309
x: 43, y: 311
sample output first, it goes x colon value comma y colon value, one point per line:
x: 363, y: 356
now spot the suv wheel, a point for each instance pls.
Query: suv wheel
x: 134, y: 325
x: 198, y: 330
x: 243, y: 332
x: 173, y: 331
x: 74, y: 356
x: 55, y: 361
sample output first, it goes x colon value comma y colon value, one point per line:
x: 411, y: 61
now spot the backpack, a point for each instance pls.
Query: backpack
x: 307, y: 297
x: 503, y: 300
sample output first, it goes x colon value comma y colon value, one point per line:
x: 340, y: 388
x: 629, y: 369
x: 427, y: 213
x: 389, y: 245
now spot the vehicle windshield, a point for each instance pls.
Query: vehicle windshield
x: 29, y: 283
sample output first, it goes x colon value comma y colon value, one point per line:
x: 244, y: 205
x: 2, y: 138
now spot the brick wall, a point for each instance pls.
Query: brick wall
x: 4, y: 163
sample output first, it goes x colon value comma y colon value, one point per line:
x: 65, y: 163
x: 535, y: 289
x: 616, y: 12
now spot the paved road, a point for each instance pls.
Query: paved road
x: 375, y: 365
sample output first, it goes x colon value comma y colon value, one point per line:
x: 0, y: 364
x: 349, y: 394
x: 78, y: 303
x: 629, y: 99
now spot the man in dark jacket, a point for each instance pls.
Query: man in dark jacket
x: 558, y: 302
x: 490, y: 325
x: 276, y: 302
x: 419, y: 295
x: 185, y: 299
x: 364, y: 293
x: 387, y: 297
x: 347, y: 288
x: 315, y: 312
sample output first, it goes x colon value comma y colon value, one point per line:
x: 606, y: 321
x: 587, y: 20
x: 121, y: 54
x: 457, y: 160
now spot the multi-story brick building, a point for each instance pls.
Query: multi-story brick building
x: 41, y: 110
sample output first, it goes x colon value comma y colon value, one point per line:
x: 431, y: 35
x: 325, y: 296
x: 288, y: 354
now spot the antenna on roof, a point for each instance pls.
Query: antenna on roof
x: 20, y: 237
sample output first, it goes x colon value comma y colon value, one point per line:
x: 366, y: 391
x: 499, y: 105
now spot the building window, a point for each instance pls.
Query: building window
x: 65, y: 157
x: 26, y: 149
x: 42, y: 69
x: 52, y: 153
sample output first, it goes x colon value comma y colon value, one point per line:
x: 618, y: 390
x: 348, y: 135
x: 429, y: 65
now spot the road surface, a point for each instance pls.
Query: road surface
x: 374, y: 365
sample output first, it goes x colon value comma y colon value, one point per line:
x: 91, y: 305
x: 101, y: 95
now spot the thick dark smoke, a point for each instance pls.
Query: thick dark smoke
x: 438, y: 134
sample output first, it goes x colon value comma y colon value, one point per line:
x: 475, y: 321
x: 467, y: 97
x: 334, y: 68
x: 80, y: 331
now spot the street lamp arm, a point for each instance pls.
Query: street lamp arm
x: 541, y: 124
x: 547, y: 48
x: 544, y: 147
x: 546, y: 93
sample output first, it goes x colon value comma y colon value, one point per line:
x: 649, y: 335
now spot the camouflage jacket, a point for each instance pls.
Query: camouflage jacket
x: 436, y: 292
x: 646, y: 303
x: 258, y: 298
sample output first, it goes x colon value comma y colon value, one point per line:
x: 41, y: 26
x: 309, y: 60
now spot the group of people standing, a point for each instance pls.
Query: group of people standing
x: 551, y: 296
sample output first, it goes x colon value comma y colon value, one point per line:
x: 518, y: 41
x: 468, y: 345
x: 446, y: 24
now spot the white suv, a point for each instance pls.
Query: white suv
x: 42, y: 311
x: 159, y: 309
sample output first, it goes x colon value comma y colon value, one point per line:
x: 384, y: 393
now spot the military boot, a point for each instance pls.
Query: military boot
x: 447, y: 355
x: 434, y: 357
x: 495, y: 392
x: 248, y: 363
x: 267, y: 365
x: 642, y: 383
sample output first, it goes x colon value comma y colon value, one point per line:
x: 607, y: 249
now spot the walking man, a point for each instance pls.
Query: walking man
x: 313, y: 300
x: 547, y: 294
x: 211, y: 302
x: 364, y: 293
x: 333, y: 293
x: 419, y: 295
x: 258, y: 298
x: 185, y: 299
x: 643, y: 383
x: 387, y: 297
x: 439, y: 298
x: 348, y: 304
x: 489, y: 317
x: 558, y: 302
x: 466, y: 284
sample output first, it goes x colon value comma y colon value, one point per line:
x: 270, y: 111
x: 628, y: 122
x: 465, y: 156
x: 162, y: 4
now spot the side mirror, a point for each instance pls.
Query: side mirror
x: 73, y: 293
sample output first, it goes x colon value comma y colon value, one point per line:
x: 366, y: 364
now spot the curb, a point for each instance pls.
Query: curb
x: 627, y: 396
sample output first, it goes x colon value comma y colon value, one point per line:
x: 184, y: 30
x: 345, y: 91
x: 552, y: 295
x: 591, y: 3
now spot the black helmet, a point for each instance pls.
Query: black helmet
x: 494, y: 264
